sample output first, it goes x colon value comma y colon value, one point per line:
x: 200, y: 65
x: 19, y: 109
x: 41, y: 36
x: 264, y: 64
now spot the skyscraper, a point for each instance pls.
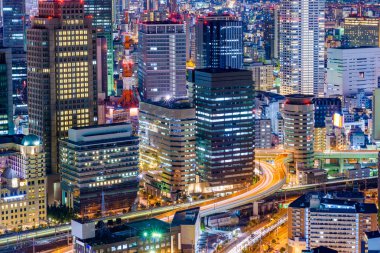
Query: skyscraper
x: 13, y: 23
x: 167, y: 133
x: 219, y: 42
x: 302, y: 47
x: 224, y: 128
x: 298, y: 116
x: 6, y: 91
x: 162, y: 60
x: 61, y: 86
x: 102, y: 19
x: 13, y: 37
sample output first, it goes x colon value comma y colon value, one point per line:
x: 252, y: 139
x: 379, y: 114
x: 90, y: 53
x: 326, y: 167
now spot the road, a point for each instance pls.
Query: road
x: 270, y: 182
x: 249, y: 238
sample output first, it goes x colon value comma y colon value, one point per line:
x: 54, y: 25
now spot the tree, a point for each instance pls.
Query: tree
x: 60, y: 213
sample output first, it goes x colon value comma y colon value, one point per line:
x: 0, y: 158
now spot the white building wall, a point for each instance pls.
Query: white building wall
x: 351, y: 69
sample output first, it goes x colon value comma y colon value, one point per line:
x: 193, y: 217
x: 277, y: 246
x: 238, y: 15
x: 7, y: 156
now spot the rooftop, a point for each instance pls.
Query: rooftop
x: 100, y: 126
x: 164, y: 22
x: 186, y: 217
x: 329, y: 204
x: 174, y: 103
x: 149, y: 228
x: 299, y: 99
x: 220, y: 70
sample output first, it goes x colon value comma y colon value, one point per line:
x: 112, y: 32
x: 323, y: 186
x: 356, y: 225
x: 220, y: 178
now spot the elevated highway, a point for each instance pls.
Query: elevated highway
x: 270, y: 182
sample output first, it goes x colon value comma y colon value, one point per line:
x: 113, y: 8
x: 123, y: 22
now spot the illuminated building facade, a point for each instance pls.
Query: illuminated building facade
x: 167, y: 134
x: 350, y: 70
x: 219, y: 42
x: 23, y: 182
x: 262, y: 76
x: 362, y: 31
x: 102, y: 13
x: 263, y: 133
x: 6, y: 92
x: 224, y: 127
x: 302, y: 36
x: 325, y: 108
x: 99, y: 168
x: 14, y: 18
x: 298, y: 114
x: 329, y: 220
x: 162, y: 60
x: 13, y: 23
x: 61, y: 86
x: 320, y: 140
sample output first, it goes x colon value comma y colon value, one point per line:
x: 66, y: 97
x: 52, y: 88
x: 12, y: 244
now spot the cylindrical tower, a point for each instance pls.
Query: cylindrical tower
x: 298, y: 115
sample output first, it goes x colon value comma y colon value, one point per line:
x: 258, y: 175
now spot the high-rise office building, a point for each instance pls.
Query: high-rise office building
x: 302, y: 38
x: 61, y: 85
x: 352, y: 69
x: 99, y: 168
x: 13, y: 23
x: 6, y: 106
x: 224, y: 127
x: 167, y: 134
x: 298, y: 113
x: 162, y: 60
x: 102, y: 19
x: 219, y: 42
x: 19, y: 76
x: 23, y: 182
x: 14, y: 17
x: 362, y: 31
x: 325, y: 108
x: 333, y: 220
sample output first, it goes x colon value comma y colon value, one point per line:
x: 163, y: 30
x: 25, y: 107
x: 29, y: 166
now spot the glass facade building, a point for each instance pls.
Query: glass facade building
x: 101, y: 12
x: 219, y: 42
x: 13, y: 23
x: 224, y: 127
x: 6, y: 92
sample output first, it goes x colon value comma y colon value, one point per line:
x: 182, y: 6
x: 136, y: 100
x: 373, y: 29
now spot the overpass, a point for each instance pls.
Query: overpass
x: 271, y: 181
x: 340, y: 156
x: 271, y: 154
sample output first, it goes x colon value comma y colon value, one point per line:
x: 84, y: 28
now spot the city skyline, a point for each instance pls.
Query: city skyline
x: 189, y: 126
